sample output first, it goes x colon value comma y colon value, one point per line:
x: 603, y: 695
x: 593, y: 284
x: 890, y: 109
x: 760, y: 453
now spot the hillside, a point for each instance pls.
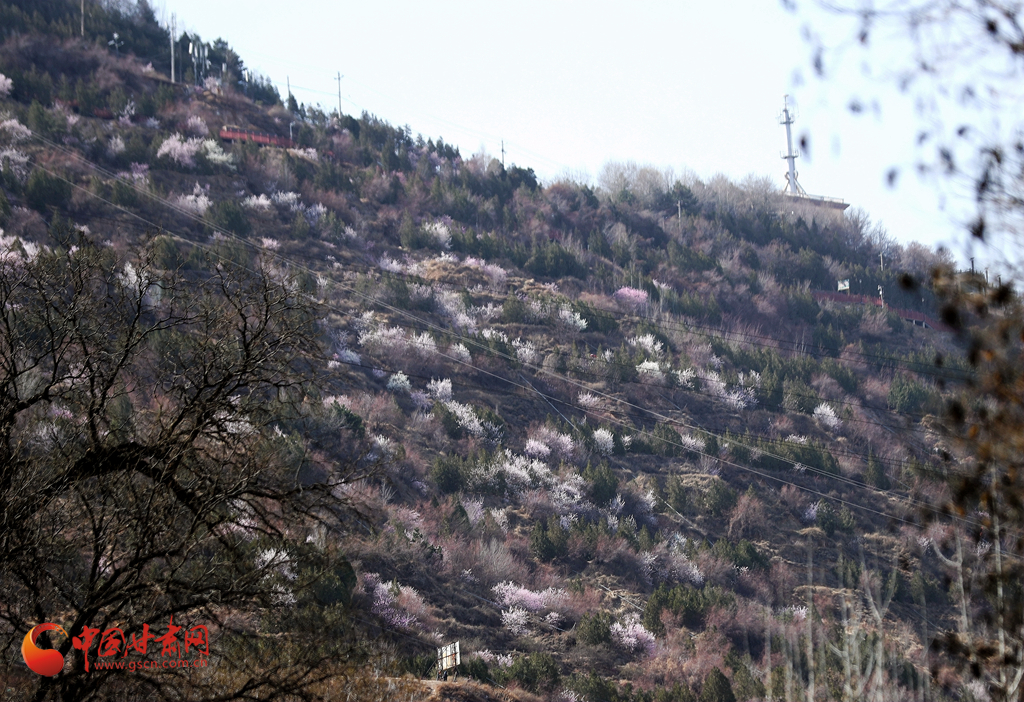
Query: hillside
x: 608, y: 438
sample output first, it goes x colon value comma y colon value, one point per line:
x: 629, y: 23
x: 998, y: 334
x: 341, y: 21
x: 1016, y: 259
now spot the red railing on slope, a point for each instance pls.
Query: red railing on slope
x: 910, y: 315
x: 230, y: 133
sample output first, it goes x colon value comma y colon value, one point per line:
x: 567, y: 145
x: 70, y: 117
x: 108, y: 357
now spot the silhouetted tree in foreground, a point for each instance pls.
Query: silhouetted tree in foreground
x: 973, y: 51
x: 162, y: 455
x: 986, y: 422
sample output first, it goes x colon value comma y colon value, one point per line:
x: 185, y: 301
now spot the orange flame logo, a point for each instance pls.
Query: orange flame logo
x: 45, y: 661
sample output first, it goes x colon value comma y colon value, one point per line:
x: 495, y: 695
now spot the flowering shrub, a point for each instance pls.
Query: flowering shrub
x: 421, y: 400
x: 420, y: 293
x: 571, y: 319
x: 490, y: 334
x: 389, y: 264
x: 631, y: 635
x: 497, y: 274
x: 561, y: 444
x: 314, y: 213
x: 693, y: 443
x: 631, y: 298
x: 384, y: 339
x: 398, y: 605
x: 137, y: 174
x: 399, y: 382
x: 196, y: 203
x: 124, y: 117
x: 569, y: 498
x: 289, y: 200
x: 195, y: 126
x: 712, y: 382
x: 6, y: 85
x: 180, y: 150
x: 488, y: 657
x: 604, y: 441
x: 474, y: 509
x: 15, y: 130
x: 650, y: 372
x: 13, y: 248
x: 424, y: 344
x: 485, y: 312
x: 216, y: 155
x: 459, y: 352
x: 797, y: 613
x: 116, y: 145
x: 440, y: 233
x: 508, y: 594
x: 500, y: 517
x: 383, y: 446
x: 466, y: 417
x: 685, y: 377
x: 257, y: 202
x: 735, y: 397
x: 588, y: 400
x: 524, y: 351
x: 440, y: 390
x: 276, y: 559
x: 669, y: 563
x: 648, y: 343
x: 16, y: 161
x: 517, y: 474
x: 278, y: 563
x: 450, y: 304
x: 740, y: 398
x: 827, y: 416
x: 536, y: 449
x: 515, y: 620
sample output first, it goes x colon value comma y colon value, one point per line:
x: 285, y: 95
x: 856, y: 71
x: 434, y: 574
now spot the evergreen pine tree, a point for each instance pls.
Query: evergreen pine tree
x: 717, y: 688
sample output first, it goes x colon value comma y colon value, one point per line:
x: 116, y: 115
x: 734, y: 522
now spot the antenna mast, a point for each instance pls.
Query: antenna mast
x: 792, y: 184
x: 339, y: 95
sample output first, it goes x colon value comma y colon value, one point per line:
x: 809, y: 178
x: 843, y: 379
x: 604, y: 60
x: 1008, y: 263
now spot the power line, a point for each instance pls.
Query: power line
x: 425, y: 323
x: 473, y: 342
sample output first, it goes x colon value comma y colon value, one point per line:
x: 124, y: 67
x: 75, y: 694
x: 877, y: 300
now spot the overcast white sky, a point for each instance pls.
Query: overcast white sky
x: 570, y: 85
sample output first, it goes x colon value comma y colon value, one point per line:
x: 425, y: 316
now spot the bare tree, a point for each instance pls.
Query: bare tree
x: 162, y: 455
x: 962, y: 63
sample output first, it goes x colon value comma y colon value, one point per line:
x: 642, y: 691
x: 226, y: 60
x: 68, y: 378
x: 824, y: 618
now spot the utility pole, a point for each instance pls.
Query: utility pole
x: 679, y: 205
x: 503, y: 154
x: 174, y: 31
x: 83, y: 18
x: 881, y: 262
x: 339, y: 97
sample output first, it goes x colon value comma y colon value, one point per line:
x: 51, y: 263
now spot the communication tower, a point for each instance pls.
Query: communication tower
x: 793, y: 188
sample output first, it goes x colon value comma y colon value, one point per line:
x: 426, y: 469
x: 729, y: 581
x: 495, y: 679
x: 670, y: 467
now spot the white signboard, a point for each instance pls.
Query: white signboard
x: 448, y: 656
x: 844, y: 285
